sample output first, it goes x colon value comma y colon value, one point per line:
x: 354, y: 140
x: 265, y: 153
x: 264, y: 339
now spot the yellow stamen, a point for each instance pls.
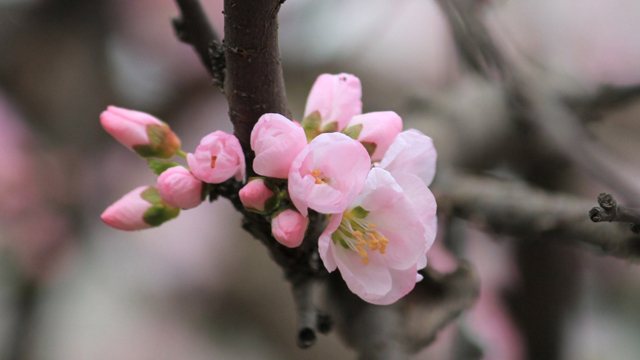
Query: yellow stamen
x: 316, y: 174
x: 213, y: 161
x: 365, y: 238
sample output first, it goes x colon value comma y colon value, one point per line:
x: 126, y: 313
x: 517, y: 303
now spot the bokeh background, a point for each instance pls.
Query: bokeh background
x: 198, y: 287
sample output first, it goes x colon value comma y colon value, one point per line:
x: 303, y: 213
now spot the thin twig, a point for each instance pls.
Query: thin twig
x: 607, y: 98
x: 516, y: 209
x: 611, y: 211
x: 392, y: 332
x: 193, y: 28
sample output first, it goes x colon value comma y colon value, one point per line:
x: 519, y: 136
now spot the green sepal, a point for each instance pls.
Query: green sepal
x: 151, y: 195
x: 353, y: 131
x: 146, y: 151
x: 330, y: 127
x: 159, y: 213
x: 311, y: 125
x: 371, y: 147
x: 159, y: 166
x: 163, y: 143
x: 269, y: 207
x: 206, y: 189
x: 359, y: 212
x: 338, y: 240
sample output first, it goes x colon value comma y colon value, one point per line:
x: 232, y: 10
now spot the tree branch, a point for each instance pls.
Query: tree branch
x: 254, y: 83
x: 193, y: 28
x: 392, y: 332
x: 607, y: 98
x: 611, y: 211
x: 515, y: 209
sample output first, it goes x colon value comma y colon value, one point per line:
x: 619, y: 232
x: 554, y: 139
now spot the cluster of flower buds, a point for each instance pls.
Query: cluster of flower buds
x: 218, y: 158
x: 362, y: 171
x: 368, y: 176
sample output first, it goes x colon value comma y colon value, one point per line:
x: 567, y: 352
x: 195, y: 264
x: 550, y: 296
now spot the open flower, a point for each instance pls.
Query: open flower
x: 218, y: 158
x: 276, y: 141
x: 289, y: 228
x: 332, y: 102
x: 140, y: 132
x: 379, y: 242
x: 141, y: 208
x: 328, y: 174
x: 411, y: 152
x: 179, y: 188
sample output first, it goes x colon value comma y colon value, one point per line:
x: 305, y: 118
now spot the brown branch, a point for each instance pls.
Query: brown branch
x: 611, y: 211
x: 254, y: 83
x: 392, y: 332
x: 518, y: 210
x: 607, y: 98
x: 194, y: 28
x: 535, y: 106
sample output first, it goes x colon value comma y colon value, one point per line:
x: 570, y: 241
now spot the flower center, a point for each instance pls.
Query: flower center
x: 357, y: 234
x: 213, y: 161
x: 316, y: 174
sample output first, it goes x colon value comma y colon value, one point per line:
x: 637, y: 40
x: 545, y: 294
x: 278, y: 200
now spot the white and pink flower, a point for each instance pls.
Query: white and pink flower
x: 335, y: 99
x: 379, y: 242
x: 218, y: 158
x: 289, y: 227
x: 276, y: 141
x: 179, y: 188
x: 411, y: 152
x: 140, y: 132
x: 375, y: 130
x: 256, y: 196
x: 328, y: 174
x: 139, y: 209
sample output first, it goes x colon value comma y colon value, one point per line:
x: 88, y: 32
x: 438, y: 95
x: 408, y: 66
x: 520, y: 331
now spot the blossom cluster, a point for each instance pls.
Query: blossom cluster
x: 362, y: 171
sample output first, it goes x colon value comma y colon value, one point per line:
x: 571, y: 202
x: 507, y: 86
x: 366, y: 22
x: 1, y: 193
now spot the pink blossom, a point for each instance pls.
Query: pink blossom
x: 375, y: 130
x: 218, y: 158
x: 179, y: 188
x: 289, y: 228
x: 336, y: 99
x: 276, y: 141
x: 411, y: 152
x: 140, y: 132
x: 379, y: 242
x: 139, y: 209
x: 328, y: 174
x: 257, y: 196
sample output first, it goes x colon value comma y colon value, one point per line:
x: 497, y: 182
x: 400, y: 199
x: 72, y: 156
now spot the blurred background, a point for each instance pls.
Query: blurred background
x: 198, y: 287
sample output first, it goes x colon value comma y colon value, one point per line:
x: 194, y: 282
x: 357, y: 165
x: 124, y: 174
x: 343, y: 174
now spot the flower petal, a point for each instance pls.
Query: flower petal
x: 336, y: 97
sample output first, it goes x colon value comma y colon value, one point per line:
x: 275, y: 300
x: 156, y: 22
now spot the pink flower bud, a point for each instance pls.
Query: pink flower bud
x: 256, y: 196
x: 139, y: 209
x: 289, y: 228
x: 276, y: 141
x: 376, y: 131
x: 336, y: 99
x: 140, y: 132
x: 218, y: 158
x: 179, y: 188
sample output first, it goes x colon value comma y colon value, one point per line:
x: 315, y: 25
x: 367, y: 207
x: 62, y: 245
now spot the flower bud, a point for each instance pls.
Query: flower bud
x: 332, y: 102
x: 218, y: 158
x: 179, y: 188
x: 276, y: 141
x: 257, y: 197
x: 289, y: 228
x: 140, y: 132
x: 139, y: 209
x: 376, y: 131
